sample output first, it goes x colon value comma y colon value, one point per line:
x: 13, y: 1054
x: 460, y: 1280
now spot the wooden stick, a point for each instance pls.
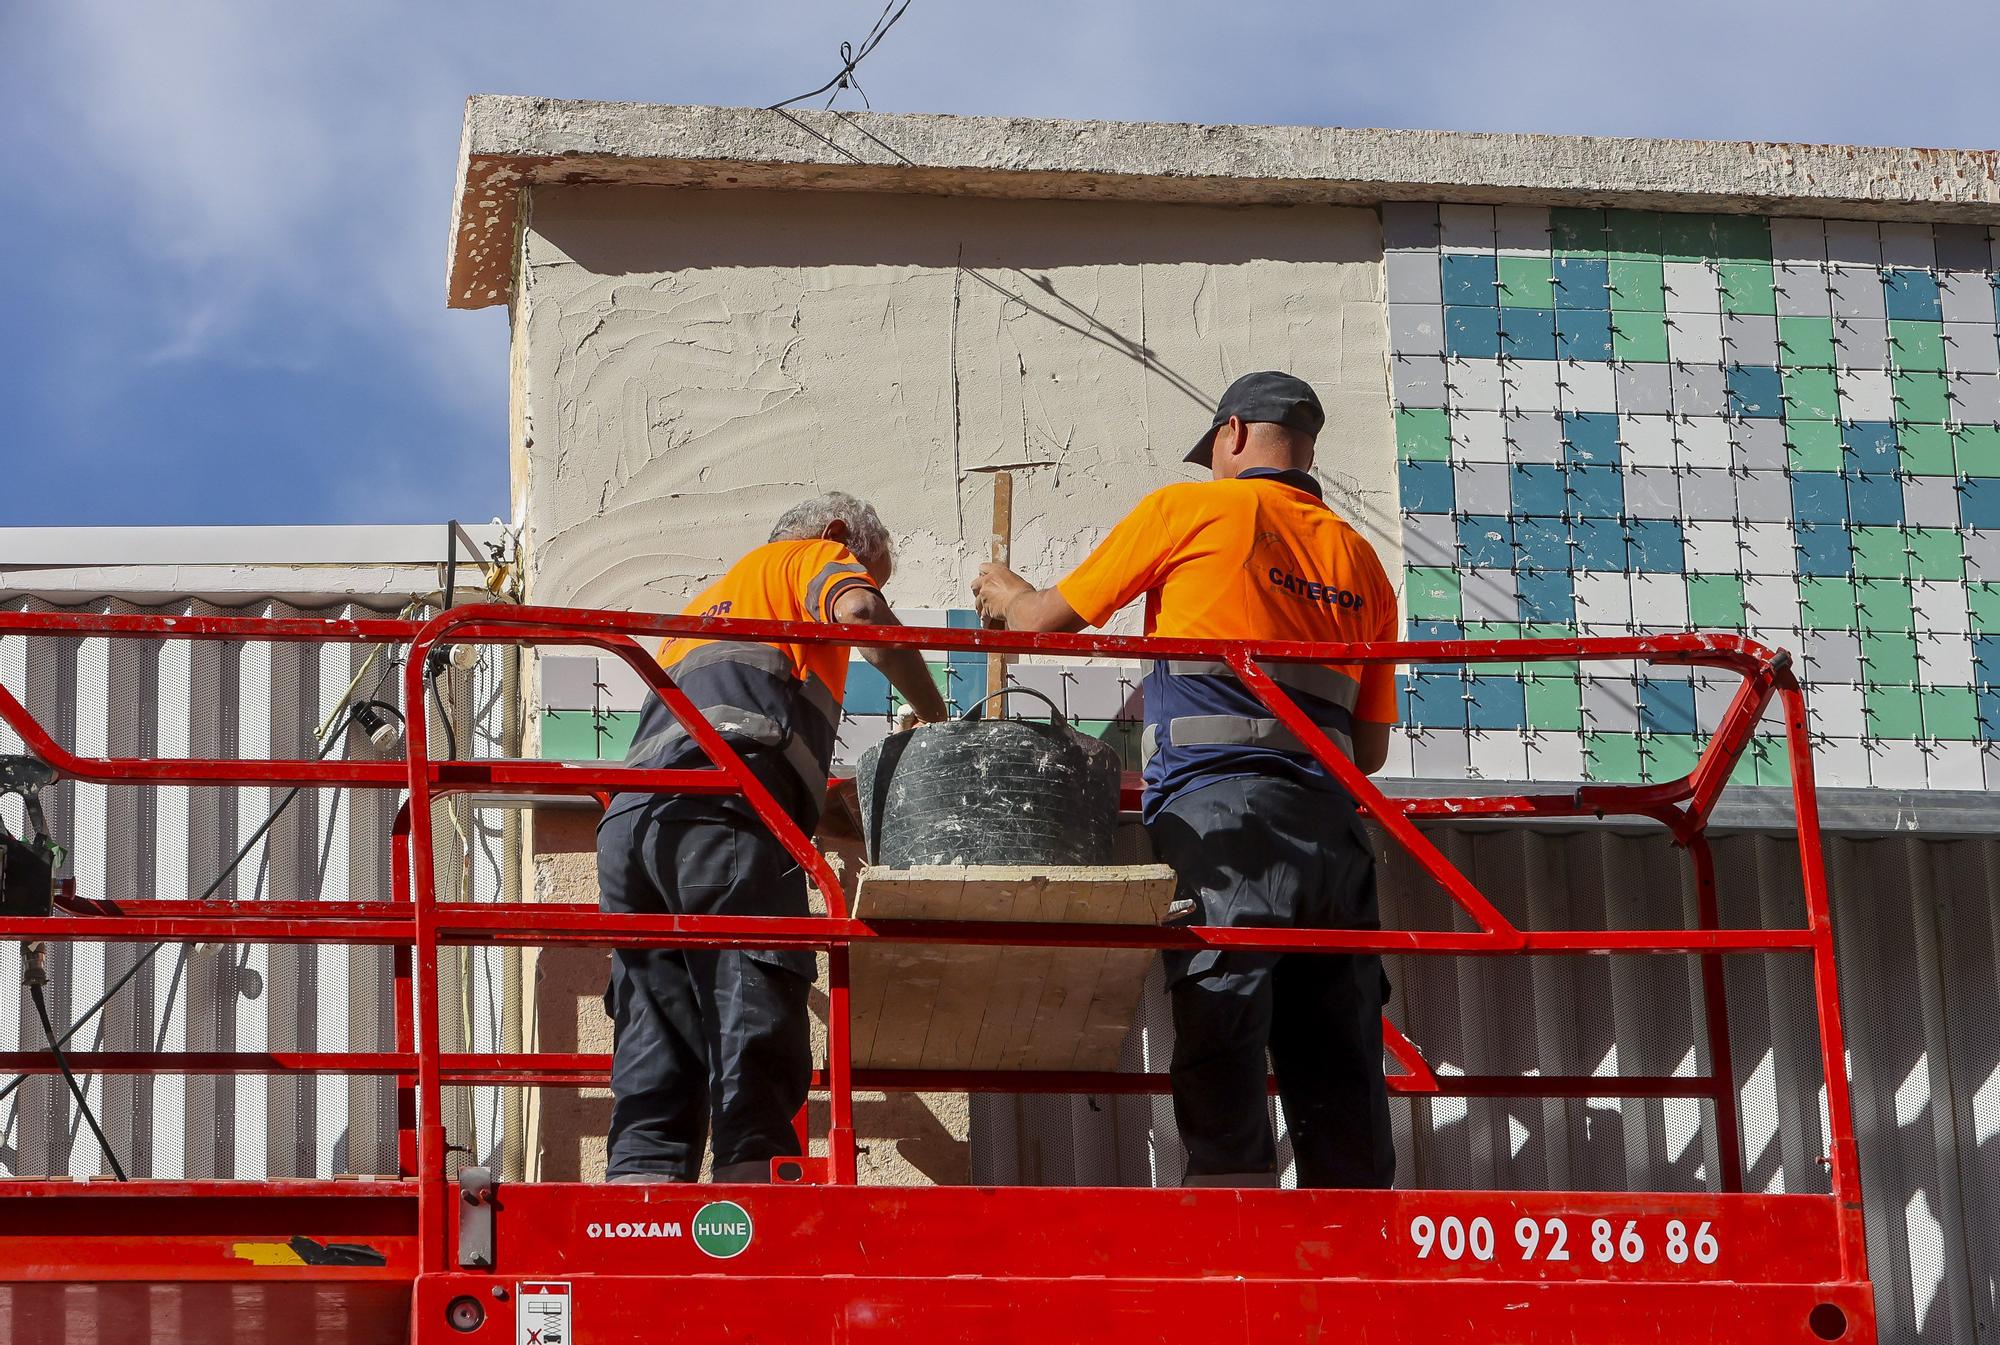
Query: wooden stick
x: 1003, y: 554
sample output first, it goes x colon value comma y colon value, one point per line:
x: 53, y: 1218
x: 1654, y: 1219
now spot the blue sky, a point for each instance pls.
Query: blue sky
x: 225, y: 229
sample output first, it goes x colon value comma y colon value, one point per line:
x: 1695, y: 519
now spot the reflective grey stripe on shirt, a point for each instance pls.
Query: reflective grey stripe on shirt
x: 830, y: 572
x: 759, y: 729
x: 1236, y: 731
x: 1314, y: 679
x: 765, y: 659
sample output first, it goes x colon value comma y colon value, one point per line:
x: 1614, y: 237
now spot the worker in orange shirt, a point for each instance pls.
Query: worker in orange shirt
x: 713, y: 1043
x: 1258, y: 832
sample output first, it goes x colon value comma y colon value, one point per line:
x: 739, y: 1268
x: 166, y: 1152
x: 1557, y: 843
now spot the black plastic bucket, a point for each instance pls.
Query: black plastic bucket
x: 989, y: 791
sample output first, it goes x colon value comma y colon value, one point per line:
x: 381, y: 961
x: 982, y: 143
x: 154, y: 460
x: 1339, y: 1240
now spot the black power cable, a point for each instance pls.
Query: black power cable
x: 75, y: 1088
x: 851, y: 56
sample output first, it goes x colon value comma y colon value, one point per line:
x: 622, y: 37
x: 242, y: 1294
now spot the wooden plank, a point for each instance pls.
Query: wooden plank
x: 933, y: 1006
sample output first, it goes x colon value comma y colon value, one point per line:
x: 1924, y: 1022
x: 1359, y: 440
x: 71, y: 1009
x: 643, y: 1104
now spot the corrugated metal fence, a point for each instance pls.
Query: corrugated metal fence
x: 228, y: 699
x: 1918, y: 926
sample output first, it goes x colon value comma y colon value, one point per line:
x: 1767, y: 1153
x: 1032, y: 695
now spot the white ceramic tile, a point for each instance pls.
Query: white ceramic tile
x: 1940, y: 606
x: 1865, y: 394
x: 1966, y: 296
x: 1588, y: 385
x: 1970, y: 348
x: 1702, y: 442
x: 1555, y: 756
x: 1465, y: 228
x: 1498, y: 754
x: 1531, y: 385
x: 1648, y: 441
x: 1692, y: 287
x: 1955, y: 766
x: 1907, y: 245
x: 1712, y: 547
x: 1835, y: 708
x: 1768, y: 549
x: 1694, y: 338
x: 1854, y: 242
x: 1841, y: 763
x: 1478, y: 436
x: 1604, y: 599
x: 1474, y: 385
x: 1522, y: 231
x: 1897, y: 763
x: 1659, y: 601
x: 1944, y: 660
x: 1798, y: 239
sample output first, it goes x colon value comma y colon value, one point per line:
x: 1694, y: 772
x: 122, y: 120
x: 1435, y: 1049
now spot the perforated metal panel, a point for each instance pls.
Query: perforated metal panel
x: 1918, y: 927
x: 229, y: 699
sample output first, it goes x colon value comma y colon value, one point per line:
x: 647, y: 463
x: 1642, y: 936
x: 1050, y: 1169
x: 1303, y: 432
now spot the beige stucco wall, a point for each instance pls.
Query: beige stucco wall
x: 696, y: 361
x: 688, y: 363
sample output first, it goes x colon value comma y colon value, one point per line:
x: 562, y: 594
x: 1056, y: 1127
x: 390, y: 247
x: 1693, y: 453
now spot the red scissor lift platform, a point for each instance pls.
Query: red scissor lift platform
x: 435, y: 1256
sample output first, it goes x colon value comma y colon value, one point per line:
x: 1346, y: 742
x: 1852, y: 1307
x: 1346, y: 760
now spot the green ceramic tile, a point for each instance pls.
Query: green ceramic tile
x: 1669, y: 756
x: 1527, y: 282
x: 1746, y: 287
x: 1774, y: 761
x: 1494, y: 630
x: 1432, y: 594
x: 1639, y: 338
x: 1555, y: 701
x: 1814, y: 445
x: 1881, y: 553
x: 1633, y: 233
x: 1926, y: 450
x: 1888, y: 658
x: 1826, y: 603
x: 1893, y: 712
x: 1936, y: 553
x: 1612, y: 757
x: 1578, y: 232
x: 1552, y: 631
x: 1810, y: 395
x: 1686, y: 237
x: 1951, y: 713
x: 1423, y: 434
x: 580, y: 735
x: 1715, y: 601
x: 1884, y: 604
x: 1977, y: 448
x: 1920, y: 397
x: 1743, y: 238
x: 1806, y: 342
x: 1638, y: 285
x: 1982, y: 606
x: 1916, y: 346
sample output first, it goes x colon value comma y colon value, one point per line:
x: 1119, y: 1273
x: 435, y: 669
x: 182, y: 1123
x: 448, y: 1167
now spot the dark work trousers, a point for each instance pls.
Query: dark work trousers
x: 1262, y: 851
x: 704, y: 1038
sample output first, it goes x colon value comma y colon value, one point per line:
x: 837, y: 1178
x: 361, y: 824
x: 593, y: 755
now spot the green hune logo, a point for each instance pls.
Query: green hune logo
x: 722, y: 1228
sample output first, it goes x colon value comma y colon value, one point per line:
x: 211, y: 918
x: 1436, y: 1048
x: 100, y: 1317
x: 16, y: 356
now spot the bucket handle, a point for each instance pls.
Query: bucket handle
x: 978, y: 708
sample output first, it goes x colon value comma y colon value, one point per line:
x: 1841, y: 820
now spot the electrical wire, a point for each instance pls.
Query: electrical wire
x: 75, y: 1089
x: 850, y: 57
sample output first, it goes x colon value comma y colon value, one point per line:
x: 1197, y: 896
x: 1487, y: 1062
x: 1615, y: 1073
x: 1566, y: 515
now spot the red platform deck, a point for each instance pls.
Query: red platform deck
x: 402, y: 1259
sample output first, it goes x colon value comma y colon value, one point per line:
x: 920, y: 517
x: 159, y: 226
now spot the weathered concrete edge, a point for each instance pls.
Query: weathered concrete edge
x: 509, y: 142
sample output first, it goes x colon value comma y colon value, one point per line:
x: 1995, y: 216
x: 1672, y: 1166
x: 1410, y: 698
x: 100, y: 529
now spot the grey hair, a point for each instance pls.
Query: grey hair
x: 866, y: 537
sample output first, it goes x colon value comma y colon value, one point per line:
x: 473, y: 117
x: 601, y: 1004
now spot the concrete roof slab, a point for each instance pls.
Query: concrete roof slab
x: 511, y: 143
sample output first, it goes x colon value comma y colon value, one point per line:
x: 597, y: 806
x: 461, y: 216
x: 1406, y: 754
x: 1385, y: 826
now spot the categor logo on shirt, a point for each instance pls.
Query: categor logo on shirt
x: 1311, y: 590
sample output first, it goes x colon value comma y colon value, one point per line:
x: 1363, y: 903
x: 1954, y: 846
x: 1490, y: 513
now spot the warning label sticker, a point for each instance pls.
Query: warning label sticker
x: 541, y: 1315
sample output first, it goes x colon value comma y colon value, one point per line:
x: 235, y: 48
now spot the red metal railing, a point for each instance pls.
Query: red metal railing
x: 418, y: 925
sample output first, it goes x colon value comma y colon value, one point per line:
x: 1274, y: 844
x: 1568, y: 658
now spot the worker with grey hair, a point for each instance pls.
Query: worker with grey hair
x: 714, y: 1044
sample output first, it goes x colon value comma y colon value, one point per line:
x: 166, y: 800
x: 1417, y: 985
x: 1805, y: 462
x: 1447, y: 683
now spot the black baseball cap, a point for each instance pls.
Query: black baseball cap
x: 1280, y: 399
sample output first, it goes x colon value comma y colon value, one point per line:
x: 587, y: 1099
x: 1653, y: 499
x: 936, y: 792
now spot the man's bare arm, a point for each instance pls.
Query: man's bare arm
x: 1004, y: 597
x: 1371, y: 746
x: 905, y: 668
